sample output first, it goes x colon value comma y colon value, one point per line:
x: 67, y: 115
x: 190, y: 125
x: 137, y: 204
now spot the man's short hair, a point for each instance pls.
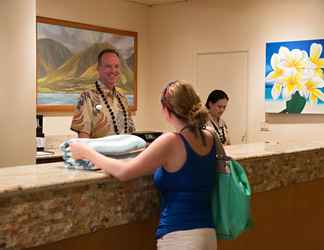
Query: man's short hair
x: 106, y: 51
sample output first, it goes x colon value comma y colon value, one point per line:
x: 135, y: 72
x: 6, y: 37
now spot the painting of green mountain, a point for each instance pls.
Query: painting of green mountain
x: 67, y: 61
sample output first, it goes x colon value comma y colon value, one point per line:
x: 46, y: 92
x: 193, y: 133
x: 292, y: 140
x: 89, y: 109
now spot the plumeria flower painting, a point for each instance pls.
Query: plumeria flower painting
x: 294, y: 77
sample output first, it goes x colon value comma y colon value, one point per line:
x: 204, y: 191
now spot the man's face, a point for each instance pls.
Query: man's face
x: 109, y: 70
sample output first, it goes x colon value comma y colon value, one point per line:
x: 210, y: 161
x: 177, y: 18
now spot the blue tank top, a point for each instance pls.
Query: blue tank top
x: 186, y: 194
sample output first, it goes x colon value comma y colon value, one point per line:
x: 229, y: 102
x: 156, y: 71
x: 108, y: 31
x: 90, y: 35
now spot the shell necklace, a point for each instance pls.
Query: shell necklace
x: 112, y: 115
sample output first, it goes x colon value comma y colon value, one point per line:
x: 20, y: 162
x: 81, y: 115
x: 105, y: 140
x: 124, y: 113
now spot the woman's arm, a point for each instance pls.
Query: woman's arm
x: 146, y: 162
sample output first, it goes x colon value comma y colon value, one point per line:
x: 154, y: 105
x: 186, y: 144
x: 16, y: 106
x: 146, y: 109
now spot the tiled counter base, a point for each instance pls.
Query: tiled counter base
x: 45, y: 203
x: 269, y: 172
x: 40, y: 216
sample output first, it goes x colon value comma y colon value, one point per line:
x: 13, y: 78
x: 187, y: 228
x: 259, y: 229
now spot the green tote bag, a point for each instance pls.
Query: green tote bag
x: 231, y: 197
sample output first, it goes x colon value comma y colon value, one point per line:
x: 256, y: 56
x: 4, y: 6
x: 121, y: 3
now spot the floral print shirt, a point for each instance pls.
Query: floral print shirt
x: 92, y: 116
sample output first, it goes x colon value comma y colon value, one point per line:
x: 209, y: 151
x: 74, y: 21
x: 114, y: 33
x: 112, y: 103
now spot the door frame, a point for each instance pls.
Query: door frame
x: 196, y: 54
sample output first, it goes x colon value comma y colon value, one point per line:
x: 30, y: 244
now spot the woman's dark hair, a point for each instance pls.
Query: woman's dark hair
x: 215, y: 96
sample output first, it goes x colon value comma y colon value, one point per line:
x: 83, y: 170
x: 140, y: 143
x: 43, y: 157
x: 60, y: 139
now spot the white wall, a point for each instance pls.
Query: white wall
x: 116, y: 14
x: 178, y: 32
x: 18, y: 77
x: 169, y: 38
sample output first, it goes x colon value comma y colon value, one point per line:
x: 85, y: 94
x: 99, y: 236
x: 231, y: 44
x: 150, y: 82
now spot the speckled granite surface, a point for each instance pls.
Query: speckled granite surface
x: 269, y: 172
x: 54, y: 206
x: 273, y: 165
x: 45, y: 203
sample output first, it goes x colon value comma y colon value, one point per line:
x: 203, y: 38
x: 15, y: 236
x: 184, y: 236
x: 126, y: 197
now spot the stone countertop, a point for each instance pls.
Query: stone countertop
x: 46, y: 203
x: 261, y: 149
x: 276, y: 165
x: 34, y: 177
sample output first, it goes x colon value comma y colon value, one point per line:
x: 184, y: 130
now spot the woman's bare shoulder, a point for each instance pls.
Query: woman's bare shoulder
x: 167, y: 140
x: 170, y: 143
x: 167, y: 136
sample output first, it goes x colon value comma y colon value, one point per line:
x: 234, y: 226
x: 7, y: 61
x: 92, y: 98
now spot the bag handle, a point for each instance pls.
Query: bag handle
x: 221, y: 156
x: 220, y: 151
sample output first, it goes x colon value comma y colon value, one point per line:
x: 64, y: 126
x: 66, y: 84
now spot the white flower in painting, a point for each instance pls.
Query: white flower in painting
x: 278, y: 70
x: 296, y: 59
x: 318, y: 63
x: 276, y: 76
x: 295, y: 71
x: 311, y: 88
x: 291, y: 84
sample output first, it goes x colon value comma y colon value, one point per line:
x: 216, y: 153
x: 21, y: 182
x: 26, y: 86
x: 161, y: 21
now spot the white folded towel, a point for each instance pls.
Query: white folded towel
x: 112, y: 145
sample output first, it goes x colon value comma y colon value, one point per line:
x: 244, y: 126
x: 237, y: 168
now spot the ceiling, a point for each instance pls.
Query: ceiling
x: 156, y: 2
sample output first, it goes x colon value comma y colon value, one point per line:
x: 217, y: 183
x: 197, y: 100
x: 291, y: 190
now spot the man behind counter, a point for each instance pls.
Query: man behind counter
x: 102, y: 110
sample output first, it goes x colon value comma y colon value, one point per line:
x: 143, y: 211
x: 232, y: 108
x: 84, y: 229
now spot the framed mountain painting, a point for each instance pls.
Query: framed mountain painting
x: 294, y: 77
x: 67, y: 59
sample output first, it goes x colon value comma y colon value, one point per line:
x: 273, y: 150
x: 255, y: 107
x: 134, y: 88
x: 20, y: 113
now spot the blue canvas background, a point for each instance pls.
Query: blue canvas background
x: 273, y: 47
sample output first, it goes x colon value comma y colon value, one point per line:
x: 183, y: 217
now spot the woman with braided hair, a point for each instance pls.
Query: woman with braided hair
x: 184, y: 166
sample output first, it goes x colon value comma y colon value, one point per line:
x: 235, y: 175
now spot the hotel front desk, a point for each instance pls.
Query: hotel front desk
x: 47, y: 206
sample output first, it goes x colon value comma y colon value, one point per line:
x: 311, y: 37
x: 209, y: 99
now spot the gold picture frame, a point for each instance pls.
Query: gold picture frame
x: 67, y: 58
